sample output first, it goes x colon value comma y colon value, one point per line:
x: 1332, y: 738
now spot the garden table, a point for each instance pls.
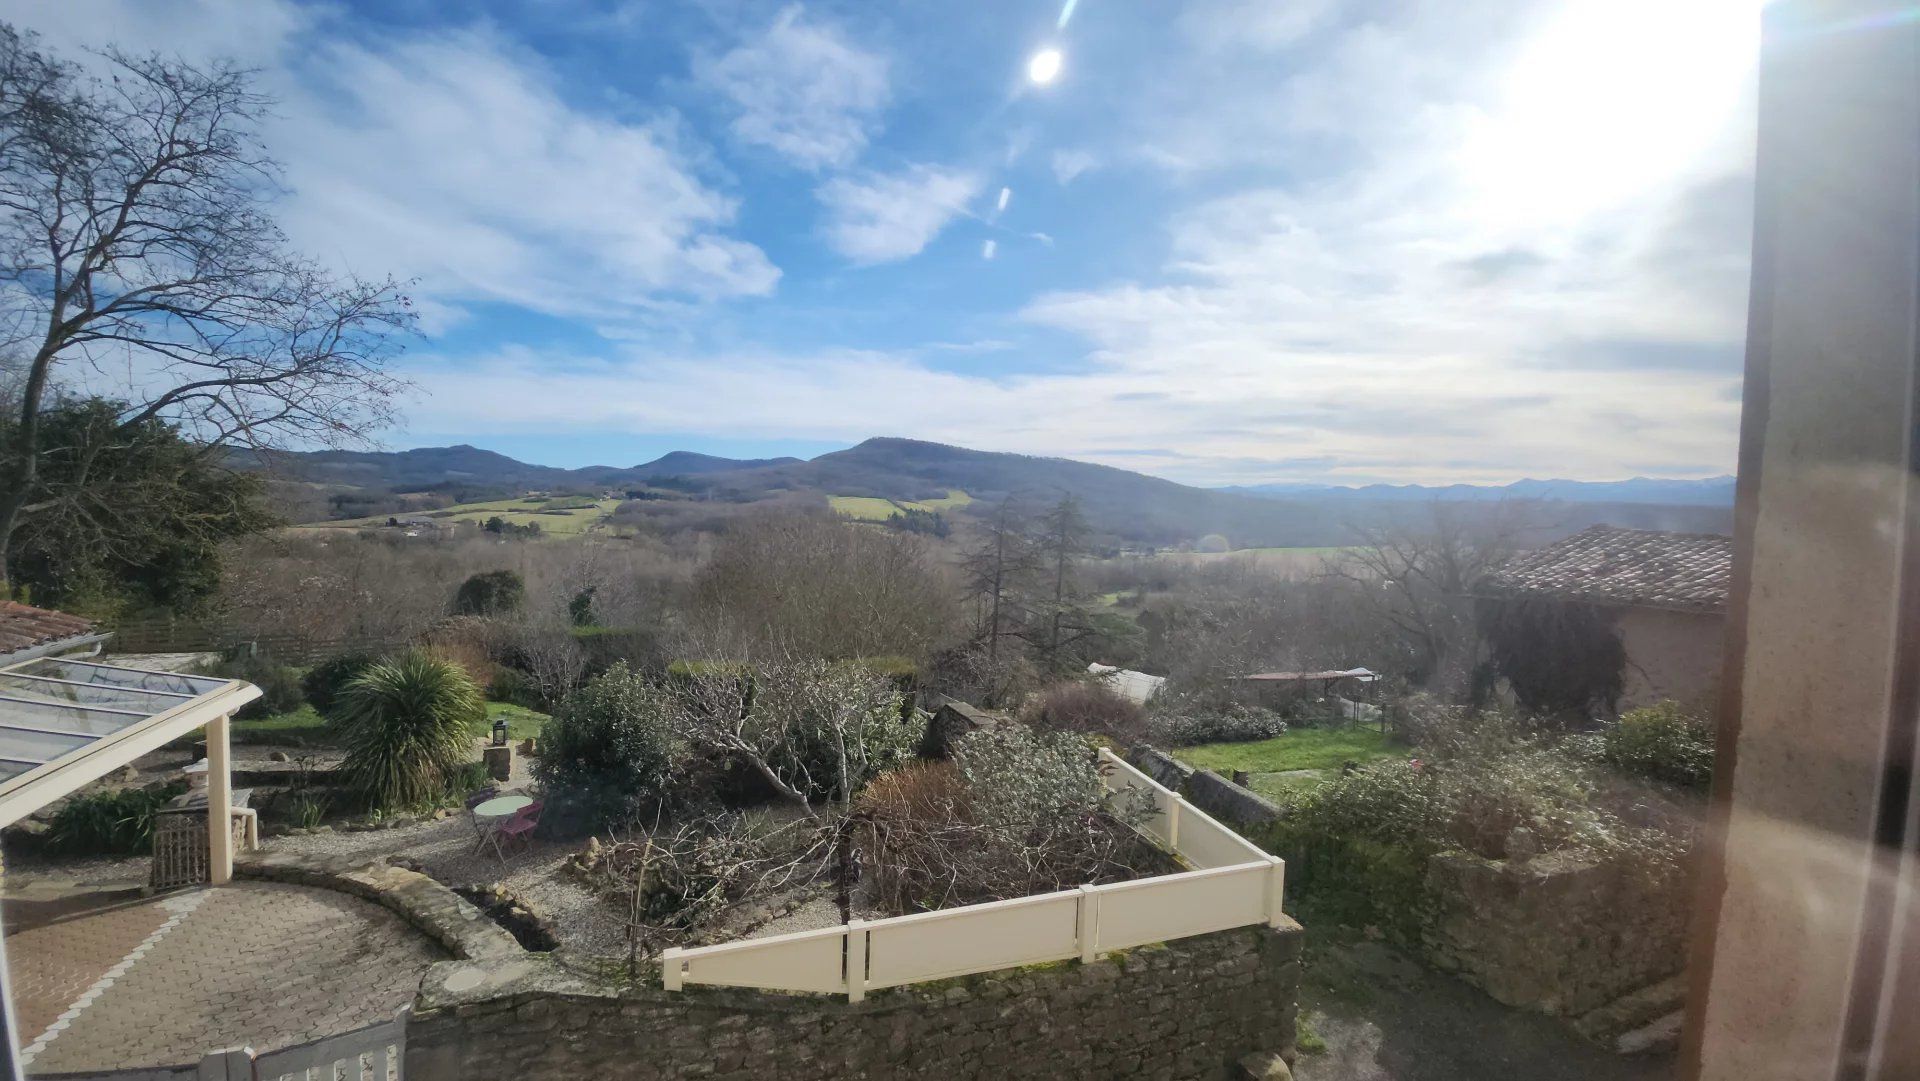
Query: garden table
x: 495, y: 811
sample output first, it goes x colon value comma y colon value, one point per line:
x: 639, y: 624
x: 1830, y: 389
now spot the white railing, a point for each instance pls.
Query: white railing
x: 1234, y: 884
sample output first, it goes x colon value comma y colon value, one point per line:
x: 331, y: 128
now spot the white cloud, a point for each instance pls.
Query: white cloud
x: 1000, y: 204
x: 882, y: 218
x: 448, y: 159
x: 802, y: 90
x: 989, y: 248
x: 1068, y: 164
x: 452, y: 158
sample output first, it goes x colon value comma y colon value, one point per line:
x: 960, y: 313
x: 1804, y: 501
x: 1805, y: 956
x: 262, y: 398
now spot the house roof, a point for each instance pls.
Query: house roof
x: 1128, y: 684
x: 1630, y: 567
x: 1364, y: 675
x: 23, y: 626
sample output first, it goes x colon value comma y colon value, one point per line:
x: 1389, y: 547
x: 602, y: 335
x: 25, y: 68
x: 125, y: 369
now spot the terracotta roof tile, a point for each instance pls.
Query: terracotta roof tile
x: 1608, y: 565
x: 23, y: 626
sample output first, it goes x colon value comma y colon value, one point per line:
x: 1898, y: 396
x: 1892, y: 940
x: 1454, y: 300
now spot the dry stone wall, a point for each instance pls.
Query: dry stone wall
x: 1185, y: 1009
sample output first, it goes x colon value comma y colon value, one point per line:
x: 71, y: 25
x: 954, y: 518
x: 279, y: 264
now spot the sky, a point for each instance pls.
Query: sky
x: 1228, y: 242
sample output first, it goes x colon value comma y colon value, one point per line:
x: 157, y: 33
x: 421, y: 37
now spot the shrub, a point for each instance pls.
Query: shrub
x: 492, y: 593
x: 117, y: 822
x: 1360, y: 842
x: 323, y: 682
x: 408, y: 726
x: 610, y: 752
x: 1663, y: 742
x: 1085, y: 707
x: 1018, y: 812
x: 280, y: 688
x: 818, y: 718
x: 1186, y: 721
x: 514, y: 686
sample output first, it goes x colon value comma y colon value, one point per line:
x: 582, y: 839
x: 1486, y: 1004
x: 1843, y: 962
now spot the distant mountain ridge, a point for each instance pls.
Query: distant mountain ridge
x: 1703, y: 492
x: 1128, y: 507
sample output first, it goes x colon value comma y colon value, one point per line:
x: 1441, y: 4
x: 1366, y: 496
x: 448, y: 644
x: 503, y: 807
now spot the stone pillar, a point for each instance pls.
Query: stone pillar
x: 1806, y: 956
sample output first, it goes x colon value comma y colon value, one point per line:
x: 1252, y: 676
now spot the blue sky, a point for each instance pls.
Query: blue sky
x: 1232, y: 242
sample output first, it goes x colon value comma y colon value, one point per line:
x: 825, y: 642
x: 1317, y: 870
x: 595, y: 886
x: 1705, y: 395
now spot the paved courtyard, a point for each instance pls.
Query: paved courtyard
x: 109, y: 980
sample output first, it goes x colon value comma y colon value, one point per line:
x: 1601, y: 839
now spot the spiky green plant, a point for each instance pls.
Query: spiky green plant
x: 408, y: 723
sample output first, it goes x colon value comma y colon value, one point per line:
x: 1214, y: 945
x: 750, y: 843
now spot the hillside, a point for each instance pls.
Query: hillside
x: 1125, y: 507
x: 1705, y: 492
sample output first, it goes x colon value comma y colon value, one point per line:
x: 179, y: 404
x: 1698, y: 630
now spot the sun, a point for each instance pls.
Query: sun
x: 1610, y: 99
x: 1044, y: 67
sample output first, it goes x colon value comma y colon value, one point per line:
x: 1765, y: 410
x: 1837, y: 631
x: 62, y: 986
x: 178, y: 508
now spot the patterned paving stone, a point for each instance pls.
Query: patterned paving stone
x: 259, y: 964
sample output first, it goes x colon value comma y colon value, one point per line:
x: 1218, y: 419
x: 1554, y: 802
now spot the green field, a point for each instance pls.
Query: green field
x: 304, y: 727
x: 867, y: 508
x: 565, y: 515
x: 1286, y: 767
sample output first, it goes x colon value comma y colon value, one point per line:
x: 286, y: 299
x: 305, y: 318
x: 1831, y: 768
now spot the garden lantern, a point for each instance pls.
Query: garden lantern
x: 500, y: 732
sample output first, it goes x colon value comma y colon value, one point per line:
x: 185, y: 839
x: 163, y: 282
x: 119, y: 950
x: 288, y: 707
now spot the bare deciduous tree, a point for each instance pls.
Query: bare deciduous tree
x: 1416, y: 578
x: 137, y: 252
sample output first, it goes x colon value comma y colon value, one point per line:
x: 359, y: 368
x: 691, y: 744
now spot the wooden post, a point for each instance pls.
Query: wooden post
x: 1173, y: 824
x: 670, y: 968
x: 1089, y: 931
x: 856, y: 960
x: 219, y: 803
x: 1276, y: 889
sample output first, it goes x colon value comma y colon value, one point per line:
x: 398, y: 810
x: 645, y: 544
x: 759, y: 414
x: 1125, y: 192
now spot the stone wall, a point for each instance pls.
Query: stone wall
x: 1206, y: 790
x: 1555, y: 934
x: 1185, y: 1009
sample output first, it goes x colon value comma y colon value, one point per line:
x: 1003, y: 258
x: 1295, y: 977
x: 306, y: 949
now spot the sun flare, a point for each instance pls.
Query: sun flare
x: 1044, y: 67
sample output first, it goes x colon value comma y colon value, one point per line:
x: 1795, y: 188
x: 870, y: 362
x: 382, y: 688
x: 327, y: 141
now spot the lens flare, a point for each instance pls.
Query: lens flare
x: 1044, y: 67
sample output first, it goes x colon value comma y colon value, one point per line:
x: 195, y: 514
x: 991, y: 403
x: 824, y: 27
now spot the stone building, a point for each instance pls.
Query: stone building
x: 1664, y: 595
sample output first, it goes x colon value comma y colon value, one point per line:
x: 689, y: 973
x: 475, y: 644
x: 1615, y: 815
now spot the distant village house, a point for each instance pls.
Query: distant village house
x: 1662, y: 597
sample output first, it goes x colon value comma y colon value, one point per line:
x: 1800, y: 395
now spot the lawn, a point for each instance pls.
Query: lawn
x: 304, y: 727
x: 564, y: 515
x: 1302, y: 748
x: 522, y: 723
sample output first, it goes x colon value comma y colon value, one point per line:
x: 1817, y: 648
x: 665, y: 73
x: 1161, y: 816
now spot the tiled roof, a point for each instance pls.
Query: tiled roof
x: 1636, y: 567
x: 23, y: 626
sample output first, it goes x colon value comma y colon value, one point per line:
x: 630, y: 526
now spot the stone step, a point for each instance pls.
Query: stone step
x: 1662, y: 1035
x: 1633, y: 1010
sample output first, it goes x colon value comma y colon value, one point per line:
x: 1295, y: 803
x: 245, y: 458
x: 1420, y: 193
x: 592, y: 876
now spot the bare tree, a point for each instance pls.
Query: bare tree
x: 1416, y: 578
x: 136, y: 250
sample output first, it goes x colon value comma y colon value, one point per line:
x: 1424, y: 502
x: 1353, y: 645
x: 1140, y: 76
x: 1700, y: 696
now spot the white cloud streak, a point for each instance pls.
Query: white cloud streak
x: 802, y: 90
x: 886, y: 217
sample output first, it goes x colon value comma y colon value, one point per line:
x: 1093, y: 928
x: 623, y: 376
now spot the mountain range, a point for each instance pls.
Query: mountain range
x: 1705, y: 492
x: 1128, y: 507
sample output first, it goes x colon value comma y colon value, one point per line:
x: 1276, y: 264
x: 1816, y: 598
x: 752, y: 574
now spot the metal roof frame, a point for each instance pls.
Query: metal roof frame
x: 27, y: 792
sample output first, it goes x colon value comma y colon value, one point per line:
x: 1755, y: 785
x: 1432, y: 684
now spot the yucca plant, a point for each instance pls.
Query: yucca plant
x: 408, y: 722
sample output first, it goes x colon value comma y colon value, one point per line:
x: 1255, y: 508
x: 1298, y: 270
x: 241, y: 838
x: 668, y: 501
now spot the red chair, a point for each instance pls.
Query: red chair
x: 518, y: 828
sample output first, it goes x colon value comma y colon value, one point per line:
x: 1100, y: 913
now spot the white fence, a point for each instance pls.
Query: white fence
x: 374, y: 1053
x: 1234, y: 884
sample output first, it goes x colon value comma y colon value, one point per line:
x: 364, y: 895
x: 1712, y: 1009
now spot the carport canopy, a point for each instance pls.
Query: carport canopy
x: 64, y: 723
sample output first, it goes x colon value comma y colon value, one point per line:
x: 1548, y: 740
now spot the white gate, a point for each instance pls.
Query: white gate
x: 375, y: 1053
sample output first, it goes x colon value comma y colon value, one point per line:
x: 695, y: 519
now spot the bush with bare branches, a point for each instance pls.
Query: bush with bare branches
x: 1017, y: 813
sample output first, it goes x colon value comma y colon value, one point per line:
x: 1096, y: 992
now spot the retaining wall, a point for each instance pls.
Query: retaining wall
x: 1185, y: 1009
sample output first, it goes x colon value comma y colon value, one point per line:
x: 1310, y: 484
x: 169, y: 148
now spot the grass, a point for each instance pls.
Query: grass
x: 1302, y: 748
x: 867, y: 508
x: 522, y: 723
x: 563, y: 515
x: 304, y: 727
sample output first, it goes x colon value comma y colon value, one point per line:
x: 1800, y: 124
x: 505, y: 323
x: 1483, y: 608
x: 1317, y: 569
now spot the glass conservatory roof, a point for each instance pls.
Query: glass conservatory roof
x: 64, y: 722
